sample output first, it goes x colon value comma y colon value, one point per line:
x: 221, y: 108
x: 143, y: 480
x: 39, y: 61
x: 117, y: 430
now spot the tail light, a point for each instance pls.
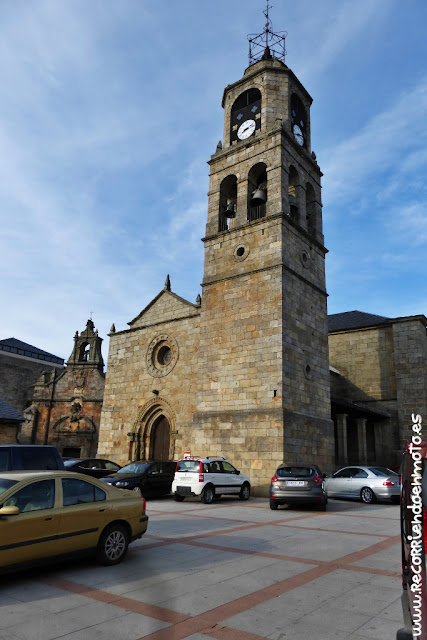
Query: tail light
x: 176, y: 468
x: 201, y: 476
x: 144, y: 503
x: 274, y: 479
x: 318, y: 479
x: 388, y: 483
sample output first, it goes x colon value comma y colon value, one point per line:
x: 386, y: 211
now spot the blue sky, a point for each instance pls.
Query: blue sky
x: 110, y: 110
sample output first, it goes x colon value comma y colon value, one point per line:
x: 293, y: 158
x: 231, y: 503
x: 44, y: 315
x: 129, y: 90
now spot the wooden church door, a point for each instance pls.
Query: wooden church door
x: 160, y: 439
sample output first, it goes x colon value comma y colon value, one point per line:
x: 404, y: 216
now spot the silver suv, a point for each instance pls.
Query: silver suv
x: 209, y: 478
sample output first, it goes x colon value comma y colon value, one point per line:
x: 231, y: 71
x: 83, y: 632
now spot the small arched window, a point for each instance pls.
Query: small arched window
x: 257, y: 192
x: 227, y: 201
x: 245, y: 115
x: 84, y: 352
x: 299, y: 120
x: 293, y: 194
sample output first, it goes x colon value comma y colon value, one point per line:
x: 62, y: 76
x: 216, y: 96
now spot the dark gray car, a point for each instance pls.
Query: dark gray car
x: 298, y: 484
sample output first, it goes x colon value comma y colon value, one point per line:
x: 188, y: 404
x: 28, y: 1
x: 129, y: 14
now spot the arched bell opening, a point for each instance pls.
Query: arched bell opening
x: 227, y: 202
x: 299, y: 121
x: 310, y: 209
x: 245, y: 115
x: 294, y: 212
x: 257, y: 192
x: 84, y: 352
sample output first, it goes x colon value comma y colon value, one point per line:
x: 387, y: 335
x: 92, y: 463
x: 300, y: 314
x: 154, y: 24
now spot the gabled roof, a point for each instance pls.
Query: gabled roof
x: 354, y: 320
x: 175, y: 301
x: 8, y: 413
x: 12, y: 345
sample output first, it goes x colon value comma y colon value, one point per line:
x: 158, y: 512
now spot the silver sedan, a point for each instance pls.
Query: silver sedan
x: 368, y: 483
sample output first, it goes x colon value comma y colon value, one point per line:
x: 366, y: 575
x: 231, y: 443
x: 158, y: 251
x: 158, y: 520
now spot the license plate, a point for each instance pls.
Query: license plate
x: 295, y: 483
x: 184, y: 479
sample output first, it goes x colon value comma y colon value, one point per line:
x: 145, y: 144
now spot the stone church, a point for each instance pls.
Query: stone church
x: 65, y: 410
x: 243, y: 372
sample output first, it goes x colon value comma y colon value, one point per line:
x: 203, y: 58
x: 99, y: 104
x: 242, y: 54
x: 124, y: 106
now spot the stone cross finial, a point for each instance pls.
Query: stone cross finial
x: 167, y: 286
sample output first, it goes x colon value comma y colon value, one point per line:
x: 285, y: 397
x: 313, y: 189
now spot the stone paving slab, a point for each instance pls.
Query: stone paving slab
x: 227, y: 571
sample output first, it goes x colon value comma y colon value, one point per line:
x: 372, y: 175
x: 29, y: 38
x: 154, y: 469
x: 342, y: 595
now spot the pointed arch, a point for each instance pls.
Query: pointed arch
x: 257, y: 186
x: 156, y: 421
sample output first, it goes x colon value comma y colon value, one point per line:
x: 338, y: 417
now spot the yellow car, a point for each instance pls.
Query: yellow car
x: 45, y: 515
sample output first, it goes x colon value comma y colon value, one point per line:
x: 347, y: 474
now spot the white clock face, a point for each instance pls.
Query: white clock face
x: 298, y: 134
x: 246, y: 129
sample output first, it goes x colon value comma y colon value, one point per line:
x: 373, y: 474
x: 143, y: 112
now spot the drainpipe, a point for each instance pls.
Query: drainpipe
x: 52, y: 393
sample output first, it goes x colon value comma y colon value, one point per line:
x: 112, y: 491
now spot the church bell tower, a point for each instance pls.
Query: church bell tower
x: 263, y: 374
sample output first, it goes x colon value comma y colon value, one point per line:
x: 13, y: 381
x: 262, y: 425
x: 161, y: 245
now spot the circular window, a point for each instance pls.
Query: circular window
x: 241, y: 252
x: 162, y: 355
x: 305, y: 258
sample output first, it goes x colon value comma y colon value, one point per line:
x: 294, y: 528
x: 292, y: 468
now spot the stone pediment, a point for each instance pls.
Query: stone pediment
x: 164, y: 307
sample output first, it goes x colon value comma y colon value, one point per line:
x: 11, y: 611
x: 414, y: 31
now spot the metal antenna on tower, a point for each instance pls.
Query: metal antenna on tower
x: 267, y: 24
x: 267, y: 44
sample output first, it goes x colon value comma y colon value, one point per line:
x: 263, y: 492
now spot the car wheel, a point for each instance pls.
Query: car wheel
x: 112, y: 545
x: 208, y: 495
x: 245, y: 492
x: 367, y: 495
x: 178, y: 497
x: 273, y: 505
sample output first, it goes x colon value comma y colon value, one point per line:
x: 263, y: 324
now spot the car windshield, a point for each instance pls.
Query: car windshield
x: 382, y: 471
x: 6, y: 484
x: 189, y: 465
x: 286, y: 472
x: 70, y: 463
x: 134, y: 467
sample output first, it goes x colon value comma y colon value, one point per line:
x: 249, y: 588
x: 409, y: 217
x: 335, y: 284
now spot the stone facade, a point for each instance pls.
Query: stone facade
x: 381, y: 373
x: 21, y: 365
x: 66, y: 408
x: 244, y: 373
x: 10, y: 421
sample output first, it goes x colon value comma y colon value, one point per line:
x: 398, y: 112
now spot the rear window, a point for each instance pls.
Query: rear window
x: 135, y: 467
x: 38, y: 458
x: 193, y: 466
x: 303, y: 472
x: 6, y: 484
x: 382, y: 471
x: 4, y: 459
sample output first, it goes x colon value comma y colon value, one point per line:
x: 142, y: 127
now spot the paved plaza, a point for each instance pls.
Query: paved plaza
x: 228, y: 571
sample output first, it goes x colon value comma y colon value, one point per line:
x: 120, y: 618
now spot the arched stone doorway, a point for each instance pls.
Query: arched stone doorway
x: 160, y: 439
x: 151, y: 436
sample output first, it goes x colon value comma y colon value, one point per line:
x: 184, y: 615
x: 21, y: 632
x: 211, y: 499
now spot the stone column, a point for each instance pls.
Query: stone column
x: 342, y: 438
x: 361, y: 440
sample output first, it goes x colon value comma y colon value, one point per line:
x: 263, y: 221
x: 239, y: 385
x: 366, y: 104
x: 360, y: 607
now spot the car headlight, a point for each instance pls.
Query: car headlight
x: 122, y: 484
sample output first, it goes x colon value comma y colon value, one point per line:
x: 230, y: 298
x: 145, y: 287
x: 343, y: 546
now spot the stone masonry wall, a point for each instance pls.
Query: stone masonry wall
x: 129, y: 386
x: 410, y: 361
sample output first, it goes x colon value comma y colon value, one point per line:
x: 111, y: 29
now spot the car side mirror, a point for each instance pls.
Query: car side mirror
x: 238, y: 472
x: 9, y: 511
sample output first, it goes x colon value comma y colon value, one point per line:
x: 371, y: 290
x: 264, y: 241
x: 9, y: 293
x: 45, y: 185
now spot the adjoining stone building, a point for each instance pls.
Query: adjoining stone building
x: 66, y: 406
x: 10, y: 421
x: 244, y: 371
x: 378, y: 379
x: 21, y: 365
